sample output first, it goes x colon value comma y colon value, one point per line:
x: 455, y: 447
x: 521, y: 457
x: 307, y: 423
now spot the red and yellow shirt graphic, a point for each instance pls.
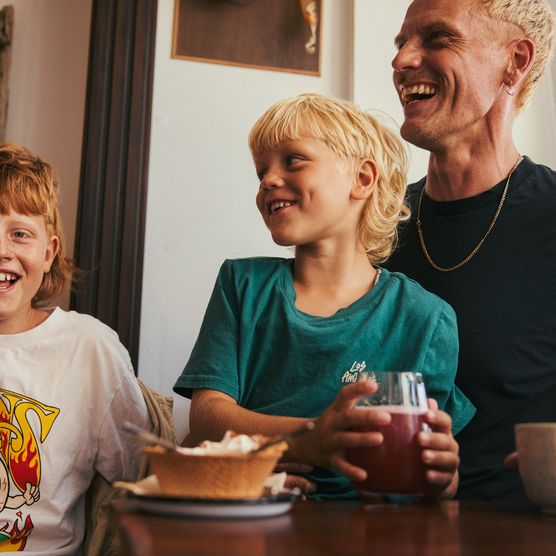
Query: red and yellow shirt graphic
x: 20, y: 462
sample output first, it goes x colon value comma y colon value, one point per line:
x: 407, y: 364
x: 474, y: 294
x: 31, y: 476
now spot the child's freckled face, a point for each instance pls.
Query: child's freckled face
x: 26, y: 253
x: 304, y: 193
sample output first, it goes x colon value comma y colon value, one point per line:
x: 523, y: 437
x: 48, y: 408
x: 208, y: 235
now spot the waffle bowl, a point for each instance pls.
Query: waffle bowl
x: 216, y: 476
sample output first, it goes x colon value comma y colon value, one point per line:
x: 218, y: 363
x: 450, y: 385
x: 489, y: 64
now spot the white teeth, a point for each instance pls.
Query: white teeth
x: 420, y: 89
x: 279, y: 204
x: 7, y: 276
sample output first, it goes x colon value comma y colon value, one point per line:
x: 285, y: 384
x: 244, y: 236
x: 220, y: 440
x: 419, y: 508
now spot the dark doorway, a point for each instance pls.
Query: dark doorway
x: 114, y: 169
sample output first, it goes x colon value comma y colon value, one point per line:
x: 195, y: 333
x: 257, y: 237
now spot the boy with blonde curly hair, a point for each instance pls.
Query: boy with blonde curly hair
x: 284, y: 339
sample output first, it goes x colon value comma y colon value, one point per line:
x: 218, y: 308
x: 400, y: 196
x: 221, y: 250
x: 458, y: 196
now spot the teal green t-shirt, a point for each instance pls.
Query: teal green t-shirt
x: 255, y: 346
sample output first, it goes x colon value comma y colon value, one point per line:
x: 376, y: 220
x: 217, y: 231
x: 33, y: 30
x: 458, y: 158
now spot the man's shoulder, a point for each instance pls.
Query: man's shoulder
x: 542, y: 169
x: 535, y: 179
x: 532, y: 197
x: 413, y: 192
x: 416, y: 186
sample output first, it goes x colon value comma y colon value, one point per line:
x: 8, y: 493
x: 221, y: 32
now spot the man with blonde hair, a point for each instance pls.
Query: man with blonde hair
x: 482, y: 234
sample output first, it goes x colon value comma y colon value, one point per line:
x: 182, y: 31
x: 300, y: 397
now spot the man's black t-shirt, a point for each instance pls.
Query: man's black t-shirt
x: 505, y: 302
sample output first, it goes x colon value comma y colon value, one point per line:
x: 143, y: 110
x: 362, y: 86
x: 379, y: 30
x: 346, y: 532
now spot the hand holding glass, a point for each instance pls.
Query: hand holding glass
x: 396, y: 466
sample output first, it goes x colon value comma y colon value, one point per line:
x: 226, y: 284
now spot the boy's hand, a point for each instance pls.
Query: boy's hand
x: 325, y: 445
x: 440, y: 452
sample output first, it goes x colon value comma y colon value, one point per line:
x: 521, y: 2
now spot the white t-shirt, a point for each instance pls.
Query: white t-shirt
x: 66, y: 387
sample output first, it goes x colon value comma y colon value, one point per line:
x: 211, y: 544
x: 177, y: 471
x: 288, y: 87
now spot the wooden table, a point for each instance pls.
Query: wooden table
x: 447, y: 528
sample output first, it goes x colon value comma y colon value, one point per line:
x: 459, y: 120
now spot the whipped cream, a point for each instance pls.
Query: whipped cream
x: 231, y: 443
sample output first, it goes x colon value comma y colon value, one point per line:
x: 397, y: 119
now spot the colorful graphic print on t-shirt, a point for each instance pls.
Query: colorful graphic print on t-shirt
x: 20, y: 463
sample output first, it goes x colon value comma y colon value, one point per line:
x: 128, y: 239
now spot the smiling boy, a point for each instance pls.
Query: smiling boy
x: 66, y: 382
x: 280, y: 335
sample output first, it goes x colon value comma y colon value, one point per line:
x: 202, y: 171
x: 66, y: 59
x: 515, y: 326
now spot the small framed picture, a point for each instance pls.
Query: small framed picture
x: 280, y: 35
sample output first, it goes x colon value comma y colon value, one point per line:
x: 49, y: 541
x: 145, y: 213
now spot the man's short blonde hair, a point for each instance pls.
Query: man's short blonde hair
x: 353, y: 135
x: 535, y: 19
x: 28, y: 186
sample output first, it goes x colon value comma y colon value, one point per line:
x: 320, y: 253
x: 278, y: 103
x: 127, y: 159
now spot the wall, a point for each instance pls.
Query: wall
x: 47, y: 90
x: 201, y: 182
x: 535, y: 129
x: 372, y: 78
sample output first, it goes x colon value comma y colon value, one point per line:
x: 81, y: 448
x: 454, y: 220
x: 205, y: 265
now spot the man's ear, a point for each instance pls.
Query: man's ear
x: 522, y: 58
x: 365, y: 179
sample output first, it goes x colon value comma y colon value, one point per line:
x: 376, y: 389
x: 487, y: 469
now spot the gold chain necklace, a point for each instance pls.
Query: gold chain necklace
x: 479, y: 245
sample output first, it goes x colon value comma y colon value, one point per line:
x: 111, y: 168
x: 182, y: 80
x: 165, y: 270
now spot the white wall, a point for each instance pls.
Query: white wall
x: 535, y: 129
x: 372, y: 77
x: 201, y: 181
x: 47, y: 89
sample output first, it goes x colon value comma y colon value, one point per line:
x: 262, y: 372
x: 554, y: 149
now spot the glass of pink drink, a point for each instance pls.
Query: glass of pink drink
x: 396, y: 466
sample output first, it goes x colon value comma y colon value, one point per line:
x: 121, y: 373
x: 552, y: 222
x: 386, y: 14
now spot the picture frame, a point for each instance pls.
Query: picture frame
x: 277, y: 35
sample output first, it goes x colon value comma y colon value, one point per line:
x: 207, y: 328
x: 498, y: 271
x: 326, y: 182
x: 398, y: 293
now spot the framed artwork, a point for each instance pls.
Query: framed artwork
x: 280, y: 35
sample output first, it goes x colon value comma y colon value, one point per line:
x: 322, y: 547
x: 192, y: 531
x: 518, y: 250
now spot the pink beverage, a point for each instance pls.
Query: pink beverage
x: 396, y: 466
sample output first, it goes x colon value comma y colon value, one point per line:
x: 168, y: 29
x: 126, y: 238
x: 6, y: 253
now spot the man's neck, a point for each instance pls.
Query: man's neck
x: 457, y: 177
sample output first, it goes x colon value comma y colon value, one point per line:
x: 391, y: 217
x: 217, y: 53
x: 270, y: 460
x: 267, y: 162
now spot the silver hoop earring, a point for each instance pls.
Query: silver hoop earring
x: 510, y: 87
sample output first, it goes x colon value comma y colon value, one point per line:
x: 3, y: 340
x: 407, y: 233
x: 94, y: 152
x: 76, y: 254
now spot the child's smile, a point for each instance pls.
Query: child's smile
x: 278, y: 205
x: 7, y: 279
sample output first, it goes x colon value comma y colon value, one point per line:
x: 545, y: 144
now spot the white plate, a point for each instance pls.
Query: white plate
x: 265, y: 506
